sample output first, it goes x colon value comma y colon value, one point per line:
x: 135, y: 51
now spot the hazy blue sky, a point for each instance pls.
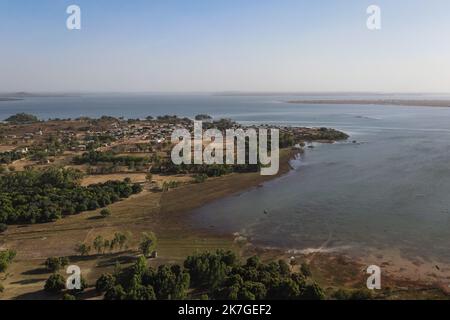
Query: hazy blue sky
x: 216, y: 45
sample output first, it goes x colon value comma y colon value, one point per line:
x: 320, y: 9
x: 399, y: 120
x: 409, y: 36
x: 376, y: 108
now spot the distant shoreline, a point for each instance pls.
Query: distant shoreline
x: 10, y: 99
x: 379, y: 102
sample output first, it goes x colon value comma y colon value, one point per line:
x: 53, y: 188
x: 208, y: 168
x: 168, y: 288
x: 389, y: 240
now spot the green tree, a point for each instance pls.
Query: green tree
x: 148, y: 243
x: 6, y: 257
x: 106, y: 245
x: 116, y: 293
x: 22, y: 118
x: 69, y: 297
x: 105, y: 282
x: 55, y: 283
x: 305, y: 269
x: 105, y: 213
x: 98, y: 244
x: 312, y: 292
x: 121, y: 239
x: 54, y: 264
x: 82, y: 249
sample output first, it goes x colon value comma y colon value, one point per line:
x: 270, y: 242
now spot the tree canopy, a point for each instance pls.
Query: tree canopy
x: 22, y: 118
x: 37, y: 196
x: 219, y: 274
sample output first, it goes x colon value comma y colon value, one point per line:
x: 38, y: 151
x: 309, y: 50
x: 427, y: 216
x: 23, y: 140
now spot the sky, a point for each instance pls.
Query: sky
x: 225, y: 45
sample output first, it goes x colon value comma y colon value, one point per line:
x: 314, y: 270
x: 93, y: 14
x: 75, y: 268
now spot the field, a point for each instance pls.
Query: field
x: 164, y: 213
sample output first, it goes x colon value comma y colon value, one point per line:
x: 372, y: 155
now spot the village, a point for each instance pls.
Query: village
x: 133, y: 145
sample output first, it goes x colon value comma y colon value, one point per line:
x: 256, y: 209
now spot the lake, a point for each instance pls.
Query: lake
x: 388, y: 190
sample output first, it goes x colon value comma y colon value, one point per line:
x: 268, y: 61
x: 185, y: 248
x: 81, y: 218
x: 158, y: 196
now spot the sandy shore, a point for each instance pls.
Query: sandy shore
x: 379, y: 102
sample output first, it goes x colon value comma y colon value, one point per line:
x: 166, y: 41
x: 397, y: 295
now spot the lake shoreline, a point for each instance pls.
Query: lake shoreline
x: 377, y: 102
x: 411, y: 273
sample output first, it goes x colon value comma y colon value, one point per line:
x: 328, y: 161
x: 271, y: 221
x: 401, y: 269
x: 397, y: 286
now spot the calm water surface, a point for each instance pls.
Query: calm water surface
x: 389, y: 190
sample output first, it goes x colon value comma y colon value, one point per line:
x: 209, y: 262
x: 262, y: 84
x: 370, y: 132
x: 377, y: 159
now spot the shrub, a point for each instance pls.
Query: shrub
x: 200, y: 178
x: 105, y: 282
x: 69, y: 297
x: 148, y: 243
x: 55, y: 283
x: 6, y: 257
x: 105, y: 213
x: 55, y: 264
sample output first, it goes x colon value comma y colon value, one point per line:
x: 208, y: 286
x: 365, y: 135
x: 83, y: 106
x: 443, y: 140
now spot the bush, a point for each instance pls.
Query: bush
x: 69, y: 297
x: 105, y: 282
x: 55, y: 283
x: 55, y: 264
x: 22, y: 118
x: 200, y: 178
x: 148, y: 243
x: 105, y: 213
x: 305, y: 270
x: 6, y: 257
x: 83, y: 286
x: 358, y: 294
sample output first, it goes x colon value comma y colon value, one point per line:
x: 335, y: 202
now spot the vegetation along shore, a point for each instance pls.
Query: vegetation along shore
x: 103, y: 194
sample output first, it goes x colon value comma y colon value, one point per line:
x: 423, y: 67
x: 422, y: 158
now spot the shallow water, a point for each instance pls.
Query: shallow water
x: 388, y: 190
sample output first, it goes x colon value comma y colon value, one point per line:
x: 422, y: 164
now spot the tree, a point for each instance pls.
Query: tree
x: 105, y: 213
x: 6, y: 257
x: 286, y: 289
x: 105, y: 283
x: 106, y: 245
x: 148, y: 243
x: 55, y: 283
x: 38, y: 196
x: 141, y: 293
x: 82, y: 249
x: 140, y: 266
x: 201, y: 117
x: 305, y: 270
x: 116, y: 293
x: 210, y: 269
x: 284, y: 267
x: 200, y: 178
x: 69, y: 297
x: 54, y: 264
x: 98, y: 244
x: 83, y: 286
x: 218, y: 274
x: 313, y: 292
x: 22, y: 118
x: 357, y: 294
x: 121, y: 239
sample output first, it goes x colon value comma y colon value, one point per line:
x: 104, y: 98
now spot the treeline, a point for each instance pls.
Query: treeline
x: 212, y: 170
x: 10, y: 156
x: 95, y: 157
x: 325, y: 134
x: 22, y: 118
x: 216, y: 275
x: 38, y: 196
